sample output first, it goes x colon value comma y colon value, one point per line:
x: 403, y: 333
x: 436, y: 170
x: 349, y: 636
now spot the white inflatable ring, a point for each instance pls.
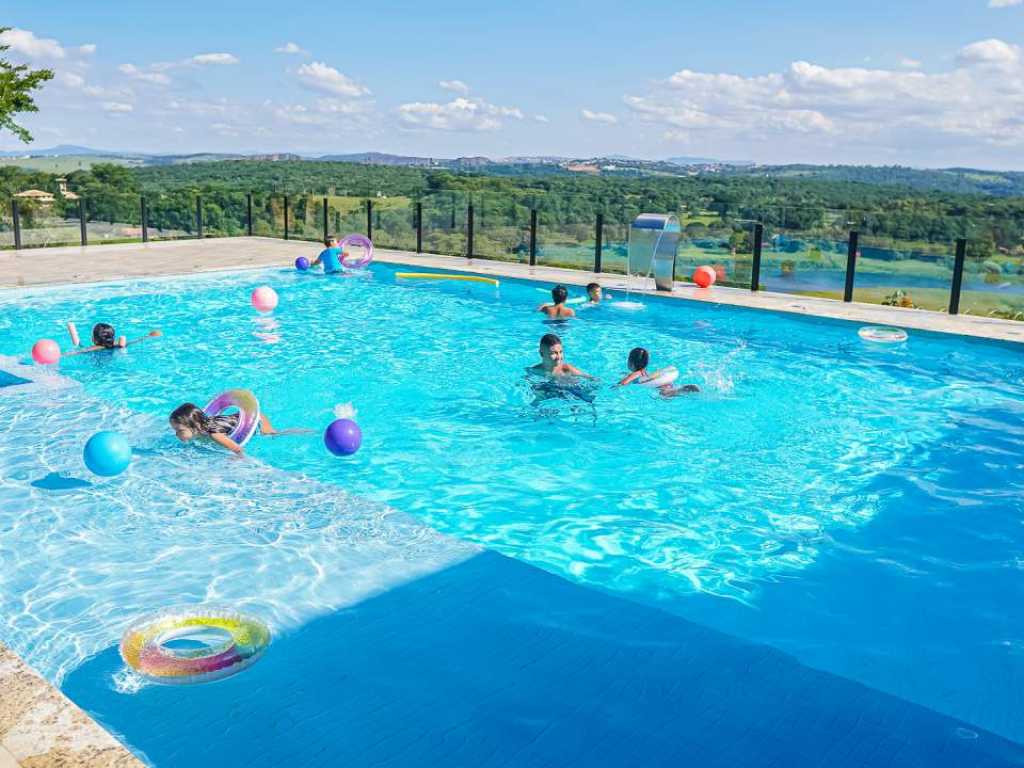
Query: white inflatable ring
x: 881, y: 334
x: 661, y: 378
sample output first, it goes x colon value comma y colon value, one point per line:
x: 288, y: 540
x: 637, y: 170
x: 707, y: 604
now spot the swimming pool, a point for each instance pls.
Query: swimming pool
x: 856, y: 507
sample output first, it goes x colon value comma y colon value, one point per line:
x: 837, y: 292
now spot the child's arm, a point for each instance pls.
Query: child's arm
x: 574, y: 371
x: 73, y: 332
x: 150, y: 335
x: 226, y: 442
x: 83, y: 350
x: 266, y: 427
x: 629, y: 379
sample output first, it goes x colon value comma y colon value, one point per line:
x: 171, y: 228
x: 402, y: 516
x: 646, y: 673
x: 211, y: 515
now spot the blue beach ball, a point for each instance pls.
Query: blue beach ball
x: 107, y: 454
x: 302, y: 263
x: 343, y: 437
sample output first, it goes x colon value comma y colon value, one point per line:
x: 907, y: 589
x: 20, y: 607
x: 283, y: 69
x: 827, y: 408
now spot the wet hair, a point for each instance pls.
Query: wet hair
x: 103, y: 335
x: 638, y: 358
x: 191, y: 416
x: 559, y: 294
x: 548, y: 340
x: 330, y: 239
x: 592, y: 286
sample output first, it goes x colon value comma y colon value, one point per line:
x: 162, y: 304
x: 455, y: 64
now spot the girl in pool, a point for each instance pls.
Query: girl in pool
x: 103, y: 337
x: 639, y: 359
x: 190, y: 421
x: 558, y: 310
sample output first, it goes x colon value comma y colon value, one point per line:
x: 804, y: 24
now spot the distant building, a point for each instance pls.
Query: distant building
x: 62, y: 186
x: 36, y: 195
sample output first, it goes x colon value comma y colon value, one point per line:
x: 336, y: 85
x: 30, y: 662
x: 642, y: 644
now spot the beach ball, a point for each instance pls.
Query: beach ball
x: 107, y: 454
x: 45, y: 352
x: 264, y: 298
x: 343, y: 437
x: 704, y: 276
x: 302, y: 263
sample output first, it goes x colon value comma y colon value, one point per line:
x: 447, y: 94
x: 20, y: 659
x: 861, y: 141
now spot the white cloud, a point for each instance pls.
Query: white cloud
x: 910, y: 63
x: 454, y: 85
x: 291, y: 48
x: 320, y: 77
x: 815, y: 113
x: 1004, y: 3
x: 991, y: 51
x: 541, y: 118
x: 117, y: 107
x: 599, y: 117
x: 70, y: 80
x: 156, y: 78
x: 27, y: 44
x: 459, y: 114
x: 88, y: 49
x: 213, y: 58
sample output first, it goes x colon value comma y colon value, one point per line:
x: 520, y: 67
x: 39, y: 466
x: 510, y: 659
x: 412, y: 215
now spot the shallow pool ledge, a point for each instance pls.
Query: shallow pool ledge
x: 99, y: 263
x: 41, y: 728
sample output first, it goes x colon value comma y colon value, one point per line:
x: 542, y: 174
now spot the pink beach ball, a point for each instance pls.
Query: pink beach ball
x: 46, y: 352
x: 264, y: 298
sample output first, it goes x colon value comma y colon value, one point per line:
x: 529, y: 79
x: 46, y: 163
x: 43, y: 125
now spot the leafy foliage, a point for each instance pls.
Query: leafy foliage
x: 16, y: 85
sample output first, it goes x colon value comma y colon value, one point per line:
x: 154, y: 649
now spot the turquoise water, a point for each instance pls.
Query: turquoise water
x: 858, y: 507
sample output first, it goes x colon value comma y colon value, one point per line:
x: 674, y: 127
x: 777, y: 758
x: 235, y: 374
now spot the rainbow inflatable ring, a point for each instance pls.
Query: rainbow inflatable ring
x: 248, y: 412
x: 226, y: 643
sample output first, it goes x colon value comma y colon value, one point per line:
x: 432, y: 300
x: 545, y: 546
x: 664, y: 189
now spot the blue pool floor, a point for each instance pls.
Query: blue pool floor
x: 492, y: 662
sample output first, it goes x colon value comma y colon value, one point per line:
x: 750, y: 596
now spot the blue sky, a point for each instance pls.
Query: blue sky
x: 936, y: 83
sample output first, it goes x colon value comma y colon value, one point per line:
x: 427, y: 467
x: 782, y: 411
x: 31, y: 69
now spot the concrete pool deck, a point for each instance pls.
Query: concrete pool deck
x: 98, y: 263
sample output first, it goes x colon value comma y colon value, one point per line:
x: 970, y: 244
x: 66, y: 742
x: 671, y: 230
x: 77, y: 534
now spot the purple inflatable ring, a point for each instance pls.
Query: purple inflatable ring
x: 248, y: 412
x: 362, y: 241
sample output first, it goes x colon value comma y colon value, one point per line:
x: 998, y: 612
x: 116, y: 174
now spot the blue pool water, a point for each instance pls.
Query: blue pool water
x: 857, y: 508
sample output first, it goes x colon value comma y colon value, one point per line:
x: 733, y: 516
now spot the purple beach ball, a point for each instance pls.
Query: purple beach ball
x: 343, y: 437
x: 302, y: 263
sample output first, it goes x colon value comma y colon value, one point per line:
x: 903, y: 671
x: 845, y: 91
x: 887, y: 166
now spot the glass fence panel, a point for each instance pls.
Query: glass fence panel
x: 171, y: 216
x: 45, y: 223
x: 305, y: 217
x: 713, y: 239
x: 225, y: 214
x: 501, y: 228
x: 6, y: 226
x: 898, y: 272
x: 112, y: 218
x: 804, y: 251
x: 394, y: 222
x: 346, y: 215
x: 444, y: 223
x: 993, y: 283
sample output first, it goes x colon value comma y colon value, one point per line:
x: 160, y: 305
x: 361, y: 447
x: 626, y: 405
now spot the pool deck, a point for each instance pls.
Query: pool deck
x: 97, y: 263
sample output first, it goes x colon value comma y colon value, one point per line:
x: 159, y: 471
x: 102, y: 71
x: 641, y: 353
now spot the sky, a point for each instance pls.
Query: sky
x: 936, y: 83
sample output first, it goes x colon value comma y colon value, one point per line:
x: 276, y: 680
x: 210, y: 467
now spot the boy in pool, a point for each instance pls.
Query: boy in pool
x: 639, y: 359
x: 330, y: 257
x: 552, y: 360
x: 558, y: 309
x: 190, y: 421
x: 594, y: 293
x: 103, y: 337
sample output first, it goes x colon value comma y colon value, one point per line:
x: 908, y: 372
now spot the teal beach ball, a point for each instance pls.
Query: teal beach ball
x: 107, y: 454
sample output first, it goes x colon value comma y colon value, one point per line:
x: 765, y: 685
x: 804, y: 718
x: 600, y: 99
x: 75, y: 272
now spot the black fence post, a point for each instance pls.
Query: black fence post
x: 248, y: 214
x: 326, y: 226
x: 958, y: 277
x: 533, y: 238
x: 851, y: 266
x: 369, y: 219
x: 199, y: 216
x: 286, y: 217
x: 419, y: 227
x: 598, y: 241
x: 17, y: 224
x: 81, y: 221
x: 144, y: 218
x: 469, y: 231
x: 755, y: 263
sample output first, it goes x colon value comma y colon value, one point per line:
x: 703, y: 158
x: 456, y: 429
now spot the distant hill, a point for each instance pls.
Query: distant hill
x: 958, y: 180
x: 66, y: 149
x: 687, y: 160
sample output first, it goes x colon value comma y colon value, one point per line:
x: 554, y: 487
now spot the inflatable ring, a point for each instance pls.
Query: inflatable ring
x: 881, y: 334
x: 661, y: 378
x: 248, y: 412
x: 238, y: 641
x: 361, y: 241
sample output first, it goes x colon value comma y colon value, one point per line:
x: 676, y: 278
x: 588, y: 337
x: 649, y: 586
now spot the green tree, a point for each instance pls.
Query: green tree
x: 16, y: 85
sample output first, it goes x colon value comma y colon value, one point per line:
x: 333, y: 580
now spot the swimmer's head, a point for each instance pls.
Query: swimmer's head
x: 638, y: 359
x: 187, y: 421
x: 594, y: 291
x: 103, y: 335
x: 330, y: 241
x: 559, y: 294
x: 551, y: 353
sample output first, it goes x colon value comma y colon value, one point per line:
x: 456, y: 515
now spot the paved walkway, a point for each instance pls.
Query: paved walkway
x: 50, y: 266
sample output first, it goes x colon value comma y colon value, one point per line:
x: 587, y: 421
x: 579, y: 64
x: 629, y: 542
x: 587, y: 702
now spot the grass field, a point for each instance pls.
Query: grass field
x: 65, y: 163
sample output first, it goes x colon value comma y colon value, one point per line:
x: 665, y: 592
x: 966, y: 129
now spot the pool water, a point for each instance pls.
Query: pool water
x: 857, y: 506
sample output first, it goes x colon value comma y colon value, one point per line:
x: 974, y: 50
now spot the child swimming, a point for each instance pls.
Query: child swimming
x: 594, y: 293
x: 190, y: 421
x: 557, y: 309
x: 559, y: 377
x: 103, y: 337
x: 639, y: 359
x: 330, y: 257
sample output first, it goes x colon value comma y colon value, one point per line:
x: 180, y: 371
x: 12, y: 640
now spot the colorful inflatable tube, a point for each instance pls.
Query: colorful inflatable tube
x: 363, y: 242
x: 224, y: 643
x: 248, y: 412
